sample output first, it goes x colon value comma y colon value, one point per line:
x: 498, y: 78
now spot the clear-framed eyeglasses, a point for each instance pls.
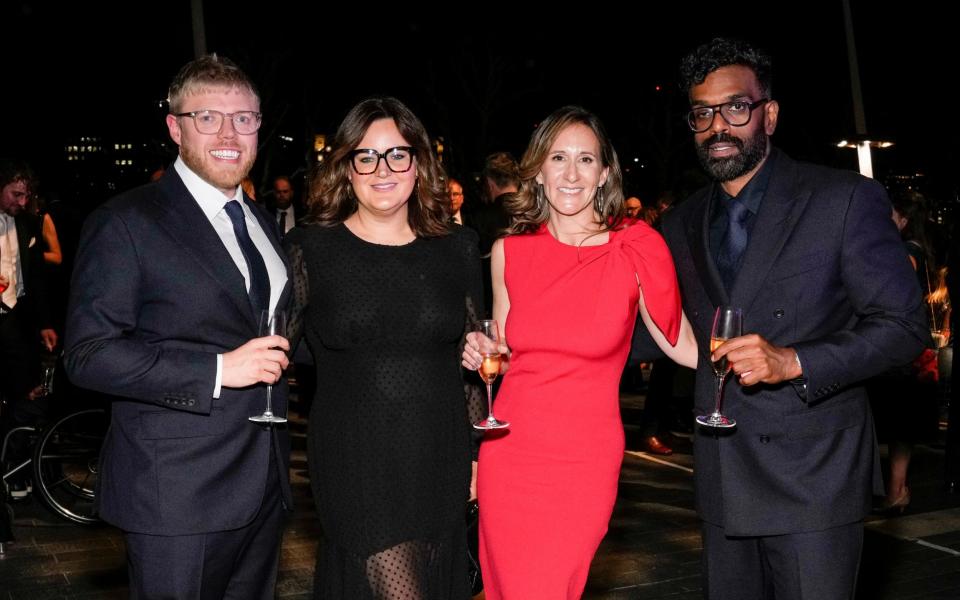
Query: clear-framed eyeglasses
x: 736, y: 113
x: 398, y: 159
x: 208, y: 122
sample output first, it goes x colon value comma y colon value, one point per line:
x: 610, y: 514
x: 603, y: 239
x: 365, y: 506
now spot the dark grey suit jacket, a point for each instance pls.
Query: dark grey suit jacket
x: 155, y: 297
x: 825, y: 272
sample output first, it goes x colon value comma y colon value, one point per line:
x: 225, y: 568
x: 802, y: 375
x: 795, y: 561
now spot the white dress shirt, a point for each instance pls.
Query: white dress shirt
x: 211, y: 202
x: 10, y: 260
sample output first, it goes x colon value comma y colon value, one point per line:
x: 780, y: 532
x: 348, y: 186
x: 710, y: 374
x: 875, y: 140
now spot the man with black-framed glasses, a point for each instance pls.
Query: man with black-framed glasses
x: 829, y: 299
x: 169, y: 285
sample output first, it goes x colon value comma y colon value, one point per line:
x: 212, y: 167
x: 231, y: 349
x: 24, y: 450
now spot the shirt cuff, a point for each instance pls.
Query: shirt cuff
x: 219, y: 380
x: 800, y: 383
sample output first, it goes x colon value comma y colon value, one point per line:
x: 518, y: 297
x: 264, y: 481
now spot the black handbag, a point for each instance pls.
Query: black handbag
x: 473, y: 548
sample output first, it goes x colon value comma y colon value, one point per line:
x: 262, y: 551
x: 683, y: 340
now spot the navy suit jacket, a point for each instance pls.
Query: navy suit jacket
x: 155, y: 296
x: 825, y: 273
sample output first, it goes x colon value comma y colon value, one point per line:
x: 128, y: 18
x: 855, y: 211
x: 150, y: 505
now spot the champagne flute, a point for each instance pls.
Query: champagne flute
x: 727, y: 324
x: 489, y: 369
x: 271, y: 323
x: 46, y: 381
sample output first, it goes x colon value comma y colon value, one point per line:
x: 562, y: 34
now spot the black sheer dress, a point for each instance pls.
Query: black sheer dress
x: 389, y: 440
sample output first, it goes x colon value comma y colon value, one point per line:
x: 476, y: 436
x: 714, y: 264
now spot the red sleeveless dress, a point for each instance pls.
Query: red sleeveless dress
x: 547, y: 485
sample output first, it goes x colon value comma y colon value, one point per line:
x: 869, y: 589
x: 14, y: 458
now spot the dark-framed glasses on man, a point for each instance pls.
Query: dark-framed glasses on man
x: 736, y: 113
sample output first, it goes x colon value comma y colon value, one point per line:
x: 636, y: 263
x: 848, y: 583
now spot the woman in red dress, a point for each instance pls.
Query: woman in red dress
x: 567, y: 284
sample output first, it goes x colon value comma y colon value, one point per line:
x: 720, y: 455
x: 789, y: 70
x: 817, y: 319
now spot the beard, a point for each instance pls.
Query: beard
x: 751, y: 153
x: 218, y: 175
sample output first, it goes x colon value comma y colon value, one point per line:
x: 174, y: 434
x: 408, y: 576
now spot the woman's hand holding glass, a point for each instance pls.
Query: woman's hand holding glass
x: 485, y: 348
x: 473, y: 358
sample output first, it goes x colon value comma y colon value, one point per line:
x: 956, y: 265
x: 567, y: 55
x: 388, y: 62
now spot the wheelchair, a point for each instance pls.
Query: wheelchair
x: 62, y: 459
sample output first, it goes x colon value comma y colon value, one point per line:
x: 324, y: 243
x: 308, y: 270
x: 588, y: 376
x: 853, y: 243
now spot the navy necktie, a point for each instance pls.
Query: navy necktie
x: 734, y: 243
x: 256, y: 268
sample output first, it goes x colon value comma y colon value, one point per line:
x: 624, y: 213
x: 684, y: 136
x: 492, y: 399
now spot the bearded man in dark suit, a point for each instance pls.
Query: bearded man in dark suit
x: 829, y: 299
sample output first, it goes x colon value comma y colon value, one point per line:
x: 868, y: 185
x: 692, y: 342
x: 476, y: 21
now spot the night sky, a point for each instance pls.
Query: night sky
x: 484, y: 80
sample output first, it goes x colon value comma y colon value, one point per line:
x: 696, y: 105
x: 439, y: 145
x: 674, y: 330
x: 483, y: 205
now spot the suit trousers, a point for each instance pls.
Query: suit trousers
x: 814, y: 565
x: 19, y: 354
x: 238, y: 564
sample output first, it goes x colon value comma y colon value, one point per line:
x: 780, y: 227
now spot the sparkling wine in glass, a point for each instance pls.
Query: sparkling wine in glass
x: 271, y: 323
x: 489, y: 369
x: 727, y: 324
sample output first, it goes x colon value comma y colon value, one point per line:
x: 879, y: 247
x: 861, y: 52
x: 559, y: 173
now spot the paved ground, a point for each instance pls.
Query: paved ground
x: 652, y: 550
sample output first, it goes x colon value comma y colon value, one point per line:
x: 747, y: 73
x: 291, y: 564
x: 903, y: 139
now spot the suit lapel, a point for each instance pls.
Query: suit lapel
x: 698, y: 231
x: 782, y: 205
x: 24, y: 234
x: 181, y: 217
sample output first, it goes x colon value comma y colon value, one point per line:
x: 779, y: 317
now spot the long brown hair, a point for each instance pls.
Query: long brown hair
x: 331, y: 199
x: 527, y: 213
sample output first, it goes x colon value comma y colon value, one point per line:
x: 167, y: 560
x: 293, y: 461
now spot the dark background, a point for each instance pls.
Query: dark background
x: 480, y: 76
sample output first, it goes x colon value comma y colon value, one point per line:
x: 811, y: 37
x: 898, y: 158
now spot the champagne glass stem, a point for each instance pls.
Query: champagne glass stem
x: 719, y: 402
x: 490, y: 416
x: 269, y: 411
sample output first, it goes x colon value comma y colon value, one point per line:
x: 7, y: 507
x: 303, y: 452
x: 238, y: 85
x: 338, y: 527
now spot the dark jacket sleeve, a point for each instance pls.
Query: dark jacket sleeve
x: 103, y: 350
x: 890, y: 327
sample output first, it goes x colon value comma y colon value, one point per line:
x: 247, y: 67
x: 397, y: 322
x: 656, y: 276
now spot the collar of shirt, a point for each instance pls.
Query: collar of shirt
x: 210, y: 199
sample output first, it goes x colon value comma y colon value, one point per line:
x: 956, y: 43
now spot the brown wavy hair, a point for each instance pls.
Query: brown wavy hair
x: 331, y: 200
x: 526, y: 213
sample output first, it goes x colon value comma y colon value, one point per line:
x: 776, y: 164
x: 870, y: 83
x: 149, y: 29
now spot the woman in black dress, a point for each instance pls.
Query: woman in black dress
x: 385, y: 291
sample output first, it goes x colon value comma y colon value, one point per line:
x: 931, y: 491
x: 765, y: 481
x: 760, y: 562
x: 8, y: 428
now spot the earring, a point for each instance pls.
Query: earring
x: 598, y: 200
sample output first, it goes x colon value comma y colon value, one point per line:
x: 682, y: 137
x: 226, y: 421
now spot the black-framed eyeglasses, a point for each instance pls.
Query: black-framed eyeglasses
x: 398, y: 159
x: 736, y: 113
x: 208, y: 122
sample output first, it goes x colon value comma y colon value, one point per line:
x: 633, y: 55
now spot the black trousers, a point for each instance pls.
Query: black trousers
x: 815, y: 565
x: 239, y: 564
x: 19, y: 354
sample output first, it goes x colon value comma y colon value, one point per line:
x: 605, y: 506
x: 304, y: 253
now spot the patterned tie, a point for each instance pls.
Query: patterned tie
x: 734, y: 243
x: 256, y: 268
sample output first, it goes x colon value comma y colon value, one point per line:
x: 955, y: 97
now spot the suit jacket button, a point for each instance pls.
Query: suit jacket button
x: 764, y: 439
x: 778, y: 313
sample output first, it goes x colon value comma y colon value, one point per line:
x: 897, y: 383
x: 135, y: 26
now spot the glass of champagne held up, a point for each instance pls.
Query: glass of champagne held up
x: 489, y: 369
x: 727, y: 324
x: 271, y: 323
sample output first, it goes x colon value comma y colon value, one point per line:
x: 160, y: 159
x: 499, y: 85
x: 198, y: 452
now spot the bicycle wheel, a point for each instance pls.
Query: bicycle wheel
x: 65, y: 464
